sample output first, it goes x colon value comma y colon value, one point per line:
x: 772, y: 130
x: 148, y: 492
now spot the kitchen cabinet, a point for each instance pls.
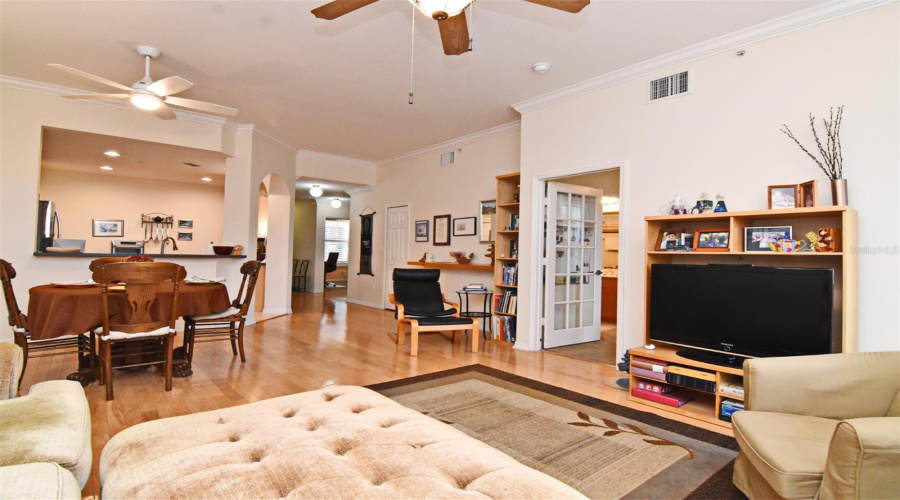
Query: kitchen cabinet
x: 609, y: 286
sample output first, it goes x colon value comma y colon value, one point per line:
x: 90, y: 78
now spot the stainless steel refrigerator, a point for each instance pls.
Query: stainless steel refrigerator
x: 48, y: 227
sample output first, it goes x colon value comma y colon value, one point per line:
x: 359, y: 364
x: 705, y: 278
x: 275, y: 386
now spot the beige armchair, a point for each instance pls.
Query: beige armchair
x: 820, y: 427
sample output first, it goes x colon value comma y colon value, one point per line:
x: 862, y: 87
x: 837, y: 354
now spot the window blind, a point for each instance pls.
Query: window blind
x: 337, y: 238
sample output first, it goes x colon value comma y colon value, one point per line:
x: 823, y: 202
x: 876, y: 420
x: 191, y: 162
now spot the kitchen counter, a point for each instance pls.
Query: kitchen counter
x: 154, y: 255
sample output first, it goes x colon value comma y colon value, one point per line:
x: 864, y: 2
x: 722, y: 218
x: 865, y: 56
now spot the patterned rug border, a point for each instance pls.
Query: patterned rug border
x: 711, y: 488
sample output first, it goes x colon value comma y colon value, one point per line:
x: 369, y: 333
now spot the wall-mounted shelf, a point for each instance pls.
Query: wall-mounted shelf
x: 452, y: 265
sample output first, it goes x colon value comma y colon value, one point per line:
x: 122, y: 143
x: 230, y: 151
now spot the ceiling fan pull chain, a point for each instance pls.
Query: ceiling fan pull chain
x: 147, y: 66
x: 472, y: 24
x: 412, y: 53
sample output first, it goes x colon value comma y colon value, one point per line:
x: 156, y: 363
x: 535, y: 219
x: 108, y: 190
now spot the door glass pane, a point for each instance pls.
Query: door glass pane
x: 587, y: 260
x: 562, y: 233
x: 561, y: 260
x: 587, y: 314
x: 575, y: 260
x: 559, y: 317
x: 574, y: 315
x: 577, y: 203
x: 588, y: 288
x: 575, y: 234
x: 562, y: 205
x: 559, y: 289
x: 590, y: 207
x: 575, y: 290
x: 589, y: 234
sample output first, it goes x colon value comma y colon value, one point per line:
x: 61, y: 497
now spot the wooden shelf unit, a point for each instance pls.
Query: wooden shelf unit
x: 802, y: 220
x: 506, y: 240
x: 451, y: 265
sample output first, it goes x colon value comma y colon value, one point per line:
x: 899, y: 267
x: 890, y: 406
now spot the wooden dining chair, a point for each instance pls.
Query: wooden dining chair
x: 145, y: 327
x: 227, y: 324
x: 102, y: 261
x: 300, y: 270
x: 81, y: 344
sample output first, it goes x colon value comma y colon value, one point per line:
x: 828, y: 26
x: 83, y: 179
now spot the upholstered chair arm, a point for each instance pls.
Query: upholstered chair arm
x: 11, y: 359
x: 837, y: 386
x: 862, y: 459
x: 452, y: 304
x: 399, y: 306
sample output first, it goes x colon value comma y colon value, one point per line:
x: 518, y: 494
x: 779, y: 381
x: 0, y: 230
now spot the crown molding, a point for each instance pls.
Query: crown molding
x: 776, y: 27
x: 249, y: 128
x: 343, y: 159
x: 358, y: 190
x: 459, y: 141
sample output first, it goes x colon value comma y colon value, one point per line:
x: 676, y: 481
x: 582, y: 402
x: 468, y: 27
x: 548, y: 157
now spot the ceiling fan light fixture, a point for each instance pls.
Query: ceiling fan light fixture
x: 146, y: 101
x: 441, y: 9
x: 336, y: 203
x: 315, y: 191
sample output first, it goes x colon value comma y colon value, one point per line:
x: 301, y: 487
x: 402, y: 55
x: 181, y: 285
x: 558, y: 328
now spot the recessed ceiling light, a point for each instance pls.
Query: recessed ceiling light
x: 106, y: 167
x: 541, y: 68
x: 206, y: 179
x: 114, y: 154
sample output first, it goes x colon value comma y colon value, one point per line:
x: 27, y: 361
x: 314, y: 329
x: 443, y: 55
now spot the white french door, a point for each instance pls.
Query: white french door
x: 397, y: 247
x: 572, y: 281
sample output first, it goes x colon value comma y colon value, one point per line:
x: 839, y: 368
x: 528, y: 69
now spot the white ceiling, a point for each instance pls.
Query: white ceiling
x: 83, y: 152
x: 340, y: 87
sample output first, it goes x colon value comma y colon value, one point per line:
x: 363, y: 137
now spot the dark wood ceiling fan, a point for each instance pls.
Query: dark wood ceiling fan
x: 453, y: 27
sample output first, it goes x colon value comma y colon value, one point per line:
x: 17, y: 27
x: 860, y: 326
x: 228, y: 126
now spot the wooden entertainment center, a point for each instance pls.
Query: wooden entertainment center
x: 706, y: 405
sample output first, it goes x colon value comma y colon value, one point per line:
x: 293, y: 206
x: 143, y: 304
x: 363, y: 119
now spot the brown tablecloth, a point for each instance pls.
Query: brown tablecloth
x: 56, y: 311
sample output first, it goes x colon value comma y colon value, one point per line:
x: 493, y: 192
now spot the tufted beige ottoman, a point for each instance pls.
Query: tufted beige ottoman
x: 338, y: 442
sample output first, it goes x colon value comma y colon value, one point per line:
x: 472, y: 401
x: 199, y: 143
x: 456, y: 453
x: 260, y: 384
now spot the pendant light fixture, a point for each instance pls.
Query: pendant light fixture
x: 336, y: 203
x: 315, y: 191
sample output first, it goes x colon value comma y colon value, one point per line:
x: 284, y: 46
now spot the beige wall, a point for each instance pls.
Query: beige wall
x: 724, y: 138
x: 81, y: 197
x: 429, y: 189
x: 305, y: 232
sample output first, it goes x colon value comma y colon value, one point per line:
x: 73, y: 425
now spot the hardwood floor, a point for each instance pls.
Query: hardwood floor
x: 326, y: 339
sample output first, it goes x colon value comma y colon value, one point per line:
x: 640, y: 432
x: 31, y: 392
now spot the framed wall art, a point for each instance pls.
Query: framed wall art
x: 421, y: 231
x: 108, y: 228
x: 464, y: 226
x: 441, y: 230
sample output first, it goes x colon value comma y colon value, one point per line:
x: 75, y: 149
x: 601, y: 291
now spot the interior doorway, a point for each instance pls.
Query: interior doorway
x: 589, y: 293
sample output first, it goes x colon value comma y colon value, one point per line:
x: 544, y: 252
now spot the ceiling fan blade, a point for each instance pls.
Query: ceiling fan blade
x: 169, y: 86
x: 164, y: 112
x: 97, y: 96
x: 338, y: 8
x: 455, y: 34
x: 201, y: 106
x: 572, y: 6
x: 100, y: 79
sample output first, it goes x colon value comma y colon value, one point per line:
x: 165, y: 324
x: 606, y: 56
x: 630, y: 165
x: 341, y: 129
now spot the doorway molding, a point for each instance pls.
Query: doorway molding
x: 535, y: 287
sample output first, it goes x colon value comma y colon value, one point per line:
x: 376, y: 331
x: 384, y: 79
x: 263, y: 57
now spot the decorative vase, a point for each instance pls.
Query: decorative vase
x: 839, y: 192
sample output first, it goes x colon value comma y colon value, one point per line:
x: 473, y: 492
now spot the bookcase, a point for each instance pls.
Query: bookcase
x: 506, y: 260
x: 705, y: 405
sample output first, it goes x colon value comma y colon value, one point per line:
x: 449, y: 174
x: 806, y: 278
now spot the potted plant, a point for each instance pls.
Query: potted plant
x: 832, y: 160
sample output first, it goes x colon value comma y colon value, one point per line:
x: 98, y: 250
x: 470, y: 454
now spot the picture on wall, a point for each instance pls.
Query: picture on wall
x: 464, y: 226
x: 186, y: 236
x: 185, y: 224
x: 441, y: 230
x: 108, y: 228
x: 421, y: 231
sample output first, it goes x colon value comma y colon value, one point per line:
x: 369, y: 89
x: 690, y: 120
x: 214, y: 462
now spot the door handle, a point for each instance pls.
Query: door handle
x: 598, y: 272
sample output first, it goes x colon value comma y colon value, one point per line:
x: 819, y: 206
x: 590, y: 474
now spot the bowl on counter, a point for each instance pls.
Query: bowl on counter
x: 223, y: 250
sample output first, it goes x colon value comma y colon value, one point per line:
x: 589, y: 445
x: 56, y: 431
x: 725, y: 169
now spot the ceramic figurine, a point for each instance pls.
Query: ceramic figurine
x: 720, y: 205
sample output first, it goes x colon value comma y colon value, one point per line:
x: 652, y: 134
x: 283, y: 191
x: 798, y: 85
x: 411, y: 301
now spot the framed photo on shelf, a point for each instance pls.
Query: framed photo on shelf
x: 784, y: 196
x: 757, y: 239
x: 667, y: 238
x: 441, y: 230
x: 421, y: 231
x: 107, y: 228
x: 712, y: 240
x: 807, y: 194
x: 464, y: 226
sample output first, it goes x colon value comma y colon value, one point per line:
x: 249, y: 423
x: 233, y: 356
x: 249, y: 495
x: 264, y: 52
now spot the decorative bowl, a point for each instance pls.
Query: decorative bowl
x: 462, y: 257
x: 223, y: 250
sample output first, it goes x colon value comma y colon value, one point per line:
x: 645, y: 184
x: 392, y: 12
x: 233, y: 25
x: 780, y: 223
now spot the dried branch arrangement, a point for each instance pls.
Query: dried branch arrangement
x: 831, y: 151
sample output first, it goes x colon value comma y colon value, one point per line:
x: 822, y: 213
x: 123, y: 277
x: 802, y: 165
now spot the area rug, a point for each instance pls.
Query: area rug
x: 604, y: 450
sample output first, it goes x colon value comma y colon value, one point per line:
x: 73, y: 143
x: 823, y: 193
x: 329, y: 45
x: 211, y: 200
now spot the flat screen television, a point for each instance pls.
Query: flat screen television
x: 725, y: 313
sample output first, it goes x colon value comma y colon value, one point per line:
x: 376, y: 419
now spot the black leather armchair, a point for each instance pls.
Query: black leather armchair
x: 421, y: 304
x: 330, y: 265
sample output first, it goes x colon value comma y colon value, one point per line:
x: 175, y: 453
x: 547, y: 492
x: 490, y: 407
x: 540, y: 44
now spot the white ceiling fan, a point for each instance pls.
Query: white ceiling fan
x: 149, y: 95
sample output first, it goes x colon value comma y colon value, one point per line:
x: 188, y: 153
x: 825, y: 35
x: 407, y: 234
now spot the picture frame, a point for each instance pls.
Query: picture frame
x: 441, y: 230
x: 185, y: 236
x: 783, y: 196
x: 185, y: 224
x: 107, y: 228
x: 422, y: 231
x: 465, y: 226
x: 667, y: 236
x: 757, y: 239
x: 487, y: 211
x: 807, y: 194
x: 712, y: 239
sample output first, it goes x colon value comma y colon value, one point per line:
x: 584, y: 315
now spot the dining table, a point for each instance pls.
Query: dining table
x: 56, y: 310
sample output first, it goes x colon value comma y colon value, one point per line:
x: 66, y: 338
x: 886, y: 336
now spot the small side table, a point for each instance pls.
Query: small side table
x: 484, y: 313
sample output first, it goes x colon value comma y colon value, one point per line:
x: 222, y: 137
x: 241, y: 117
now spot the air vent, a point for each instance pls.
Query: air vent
x: 669, y: 86
x: 447, y: 159
x: 189, y: 164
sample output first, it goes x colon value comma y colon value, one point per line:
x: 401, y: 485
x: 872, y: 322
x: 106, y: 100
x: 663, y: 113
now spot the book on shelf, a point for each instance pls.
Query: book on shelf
x: 474, y: 286
x: 504, y: 328
x: 510, y: 274
x: 650, y: 364
x: 735, y: 388
x: 671, y: 399
x: 652, y: 387
x: 505, y: 302
x: 641, y: 372
x: 514, y: 221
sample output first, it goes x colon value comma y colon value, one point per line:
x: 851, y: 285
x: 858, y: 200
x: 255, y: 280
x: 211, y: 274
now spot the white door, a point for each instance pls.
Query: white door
x: 572, y: 286
x: 397, y: 247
